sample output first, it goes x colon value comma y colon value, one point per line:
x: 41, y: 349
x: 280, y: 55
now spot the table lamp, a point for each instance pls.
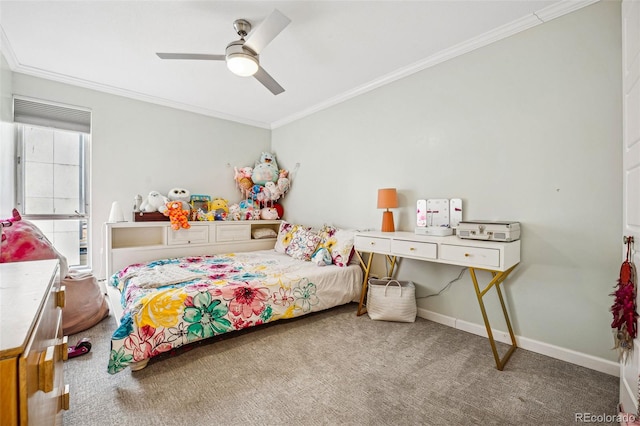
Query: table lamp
x: 387, y: 199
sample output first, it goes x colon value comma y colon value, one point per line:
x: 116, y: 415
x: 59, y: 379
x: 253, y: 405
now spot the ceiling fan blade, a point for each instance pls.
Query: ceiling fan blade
x: 267, y: 81
x: 267, y: 31
x: 200, y: 56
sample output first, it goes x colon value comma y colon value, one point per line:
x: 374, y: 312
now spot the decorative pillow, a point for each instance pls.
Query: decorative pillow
x: 303, y: 244
x: 260, y: 233
x: 339, y: 242
x: 285, y: 235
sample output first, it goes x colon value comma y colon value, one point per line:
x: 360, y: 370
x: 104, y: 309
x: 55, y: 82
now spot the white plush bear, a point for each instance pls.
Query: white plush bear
x: 178, y: 194
x: 154, y: 201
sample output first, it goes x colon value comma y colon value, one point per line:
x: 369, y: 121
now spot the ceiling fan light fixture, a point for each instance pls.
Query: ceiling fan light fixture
x: 242, y: 64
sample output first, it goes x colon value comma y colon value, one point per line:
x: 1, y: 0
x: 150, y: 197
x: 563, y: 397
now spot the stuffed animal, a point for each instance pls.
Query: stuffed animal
x: 321, y: 257
x: 219, y: 208
x: 259, y: 194
x: 234, y: 212
x: 268, y: 213
x: 204, y: 215
x: 178, y: 216
x: 247, y: 208
x: 243, y: 180
x: 273, y: 191
x: 180, y: 194
x: 283, y: 182
x: 254, y: 215
x: 266, y: 170
x: 154, y: 201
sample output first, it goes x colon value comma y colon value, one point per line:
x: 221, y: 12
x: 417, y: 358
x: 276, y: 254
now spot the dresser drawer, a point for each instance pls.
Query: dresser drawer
x: 197, y: 234
x: 476, y: 256
x: 414, y: 249
x: 233, y: 233
x: 372, y: 244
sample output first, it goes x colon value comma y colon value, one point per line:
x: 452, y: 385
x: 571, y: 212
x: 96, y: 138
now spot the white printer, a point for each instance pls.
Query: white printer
x: 489, y: 230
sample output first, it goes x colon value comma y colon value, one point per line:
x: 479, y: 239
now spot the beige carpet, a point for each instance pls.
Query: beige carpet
x: 333, y: 368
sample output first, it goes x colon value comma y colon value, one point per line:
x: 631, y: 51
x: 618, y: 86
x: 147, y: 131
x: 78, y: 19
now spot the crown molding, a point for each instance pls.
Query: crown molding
x: 16, y: 67
x: 507, y: 30
x: 74, y: 81
x: 564, y: 7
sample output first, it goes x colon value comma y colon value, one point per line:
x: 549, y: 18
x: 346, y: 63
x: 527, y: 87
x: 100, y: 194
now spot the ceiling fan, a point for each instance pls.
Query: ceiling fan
x: 242, y: 56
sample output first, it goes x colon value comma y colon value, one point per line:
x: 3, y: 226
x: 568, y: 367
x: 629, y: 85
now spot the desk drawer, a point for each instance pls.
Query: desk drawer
x: 414, y: 249
x: 372, y: 244
x: 197, y: 234
x: 473, y: 256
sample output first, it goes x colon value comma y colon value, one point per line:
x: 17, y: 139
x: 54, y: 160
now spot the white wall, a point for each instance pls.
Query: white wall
x: 526, y: 129
x: 137, y: 147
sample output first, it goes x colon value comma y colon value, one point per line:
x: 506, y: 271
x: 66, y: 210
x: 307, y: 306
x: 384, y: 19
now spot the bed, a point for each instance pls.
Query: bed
x: 173, y: 302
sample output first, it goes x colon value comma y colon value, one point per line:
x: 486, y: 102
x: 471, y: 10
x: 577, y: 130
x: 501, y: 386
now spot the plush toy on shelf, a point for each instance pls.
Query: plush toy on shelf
x: 154, y: 202
x: 234, y: 212
x: 219, y: 208
x: 204, y: 215
x: 182, y: 195
x: 178, y: 216
x: 268, y: 213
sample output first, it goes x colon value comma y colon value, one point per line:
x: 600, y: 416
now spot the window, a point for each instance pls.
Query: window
x: 53, y: 174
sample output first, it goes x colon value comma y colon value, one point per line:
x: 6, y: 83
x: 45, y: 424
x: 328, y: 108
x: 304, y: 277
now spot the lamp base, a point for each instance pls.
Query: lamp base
x: 387, y: 222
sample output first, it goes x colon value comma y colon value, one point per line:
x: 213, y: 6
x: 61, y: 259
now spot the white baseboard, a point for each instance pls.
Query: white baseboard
x: 584, y: 360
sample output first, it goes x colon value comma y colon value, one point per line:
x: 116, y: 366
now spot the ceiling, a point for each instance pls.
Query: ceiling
x: 331, y: 51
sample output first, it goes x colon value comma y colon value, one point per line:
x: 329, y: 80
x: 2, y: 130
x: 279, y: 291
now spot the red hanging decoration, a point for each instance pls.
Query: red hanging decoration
x: 625, y: 317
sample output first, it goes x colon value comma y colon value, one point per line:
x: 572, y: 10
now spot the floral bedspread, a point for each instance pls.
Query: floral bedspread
x: 171, y: 302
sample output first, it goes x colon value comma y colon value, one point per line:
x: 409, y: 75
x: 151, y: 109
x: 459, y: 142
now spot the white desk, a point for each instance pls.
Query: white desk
x: 496, y: 257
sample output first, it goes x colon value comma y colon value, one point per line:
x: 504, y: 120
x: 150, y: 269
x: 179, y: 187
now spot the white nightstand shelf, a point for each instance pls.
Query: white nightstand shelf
x: 496, y: 257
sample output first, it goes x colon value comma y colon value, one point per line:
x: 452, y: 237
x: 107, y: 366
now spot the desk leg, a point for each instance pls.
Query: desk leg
x: 498, y: 278
x: 366, y: 268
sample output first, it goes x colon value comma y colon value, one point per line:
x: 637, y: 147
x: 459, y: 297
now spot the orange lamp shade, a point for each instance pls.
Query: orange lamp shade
x: 387, y: 199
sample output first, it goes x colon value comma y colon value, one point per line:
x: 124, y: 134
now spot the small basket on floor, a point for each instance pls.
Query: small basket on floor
x: 391, y: 300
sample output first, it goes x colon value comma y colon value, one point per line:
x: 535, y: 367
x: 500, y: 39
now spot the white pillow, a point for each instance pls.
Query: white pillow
x: 260, y: 233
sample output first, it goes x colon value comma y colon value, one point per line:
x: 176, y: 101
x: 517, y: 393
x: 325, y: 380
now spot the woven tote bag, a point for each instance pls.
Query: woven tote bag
x: 392, y: 300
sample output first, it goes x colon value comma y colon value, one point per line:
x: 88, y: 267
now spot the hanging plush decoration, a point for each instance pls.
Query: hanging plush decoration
x: 262, y: 186
x: 624, y: 307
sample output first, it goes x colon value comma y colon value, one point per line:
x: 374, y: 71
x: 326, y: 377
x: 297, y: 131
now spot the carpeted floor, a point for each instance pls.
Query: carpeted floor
x: 333, y: 368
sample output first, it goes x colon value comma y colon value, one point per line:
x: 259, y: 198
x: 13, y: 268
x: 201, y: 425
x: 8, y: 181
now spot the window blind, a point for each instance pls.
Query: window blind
x: 46, y: 114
